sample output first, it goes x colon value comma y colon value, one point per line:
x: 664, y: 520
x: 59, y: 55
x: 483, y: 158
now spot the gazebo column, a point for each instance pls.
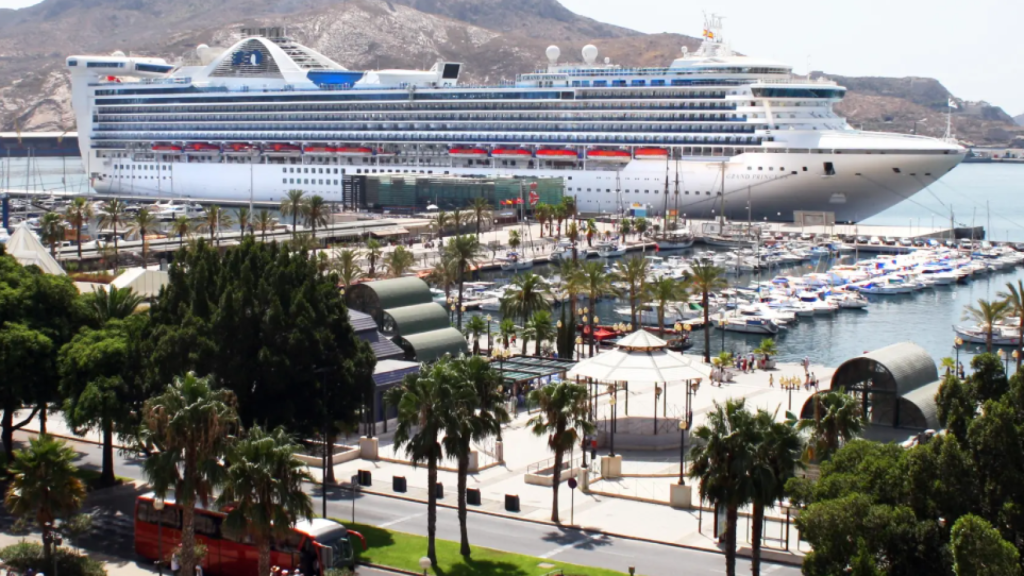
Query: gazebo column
x: 657, y: 391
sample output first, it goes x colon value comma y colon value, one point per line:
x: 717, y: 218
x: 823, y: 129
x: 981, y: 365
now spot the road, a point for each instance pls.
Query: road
x: 545, y: 541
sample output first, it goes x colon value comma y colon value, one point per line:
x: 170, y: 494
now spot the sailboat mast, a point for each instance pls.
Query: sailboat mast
x: 677, y: 193
x: 664, y: 214
x: 721, y: 216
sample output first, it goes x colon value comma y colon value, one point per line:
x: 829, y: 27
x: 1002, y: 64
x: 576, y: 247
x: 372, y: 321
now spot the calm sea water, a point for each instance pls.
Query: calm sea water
x: 982, y: 194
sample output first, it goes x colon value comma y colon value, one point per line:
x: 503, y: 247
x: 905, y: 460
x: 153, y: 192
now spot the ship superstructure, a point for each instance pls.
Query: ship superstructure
x: 739, y: 134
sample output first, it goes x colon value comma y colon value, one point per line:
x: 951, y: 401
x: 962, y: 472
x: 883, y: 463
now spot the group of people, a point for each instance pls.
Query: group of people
x: 809, y: 381
x: 750, y: 362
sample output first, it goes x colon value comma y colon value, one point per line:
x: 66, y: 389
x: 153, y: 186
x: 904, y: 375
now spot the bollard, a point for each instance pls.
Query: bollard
x: 439, y: 491
x: 473, y: 496
x: 398, y: 484
x: 511, y: 502
x: 365, y: 478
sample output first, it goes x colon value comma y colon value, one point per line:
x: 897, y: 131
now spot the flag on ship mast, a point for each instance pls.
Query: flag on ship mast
x: 952, y: 103
x: 709, y: 34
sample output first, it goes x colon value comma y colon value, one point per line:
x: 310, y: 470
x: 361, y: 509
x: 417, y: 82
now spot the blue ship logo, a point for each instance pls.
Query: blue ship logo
x: 247, y: 57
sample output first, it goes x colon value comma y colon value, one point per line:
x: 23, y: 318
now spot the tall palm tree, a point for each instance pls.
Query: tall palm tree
x: 480, y: 414
x: 44, y: 485
x: 186, y: 429
x: 662, y: 294
x: 294, y: 205
x: 705, y: 278
x: 399, y: 261
x: 987, y: 314
x: 625, y: 227
x: 507, y: 329
x: 640, y: 226
x: 244, y: 218
x: 475, y: 328
x: 303, y: 243
x: 373, y: 254
x: 542, y: 212
x: 527, y: 294
x: 465, y: 251
x: 317, y: 212
x: 593, y: 281
x: 591, y: 231
x: 78, y: 214
x: 51, y: 230
x: 634, y: 275
x: 459, y: 219
x: 346, y: 264
x: 440, y: 222
x: 481, y: 209
x: 564, y: 418
x: 113, y: 214
x: 444, y: 275
x: 216, y: 220
x: 539, y: 328
x: 1014, y: 298
x: 775, y: 459
x: 837, y: 420
x: 572, y: 232
x: 182, y: 228
x: 425, y: 404
x: 514, y: 239
x: 264, y: 222
x: 721, y: 460
x: 143, y: 222
x: 263, y: 485
x: 558, y: 215
x: 114, y: 304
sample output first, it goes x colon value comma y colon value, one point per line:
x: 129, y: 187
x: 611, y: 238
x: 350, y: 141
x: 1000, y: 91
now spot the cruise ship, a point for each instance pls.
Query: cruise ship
x: 713, y: 133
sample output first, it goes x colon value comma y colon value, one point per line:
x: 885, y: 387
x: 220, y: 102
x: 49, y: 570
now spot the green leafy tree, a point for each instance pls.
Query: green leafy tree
x: 706, y: 278
x: 542, y: 212
x: 114, y: 213
x: 663, y: 293
x: 767, y: 347
x: 445, y: 274
x: 263, y: 485
x: 956, y: 406
x: 399, y: 261
x: 527, y: 294
x: 182, y: 228
x: 465, y: 252
x: 114, y: 303
x: 986, y: 315
x: 294, y: 205
x: 640, y: 225
x: 987, y: 380
x: 317, y: 213
x: 837, y: 420
x: 440, y: 222
x: 1014, y: 299
x: 634, y: 275
x: 474, y: 329
x: 558, y: 214
x: 572, y: 233
x: 459, y: 219
x: 979, y: 550
x: 186, y: 429
x: 346, y: 265
x: 139, y: 225
x: 44, y: 485
x: 373, y: 253
x: 264, y: 223
x: 540, y: 328
x: 51, y: 230
x: 625, y: 227
x: 722, y: 459
x: 24, y: 358
x: 78, y: 214
x: 425, y: 404
x: 564, y: 417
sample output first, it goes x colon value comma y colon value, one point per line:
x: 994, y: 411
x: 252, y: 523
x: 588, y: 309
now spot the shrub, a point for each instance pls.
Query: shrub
x: 24, y: 555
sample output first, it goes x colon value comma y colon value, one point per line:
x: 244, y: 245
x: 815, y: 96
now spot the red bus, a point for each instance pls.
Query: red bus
x: 312, y: 545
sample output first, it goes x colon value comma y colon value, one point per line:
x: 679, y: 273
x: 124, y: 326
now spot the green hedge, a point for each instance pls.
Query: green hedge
x: 25, y: 555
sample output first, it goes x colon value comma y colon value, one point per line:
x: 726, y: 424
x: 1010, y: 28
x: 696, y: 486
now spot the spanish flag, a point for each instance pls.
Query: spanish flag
x: 709, y: 34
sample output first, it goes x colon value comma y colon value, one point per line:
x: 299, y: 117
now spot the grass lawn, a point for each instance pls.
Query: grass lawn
x: 402, y: 550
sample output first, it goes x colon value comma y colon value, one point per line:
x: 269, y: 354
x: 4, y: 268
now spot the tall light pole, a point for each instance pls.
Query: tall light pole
x: 957, y: 344
x: 612, y: 401
x: 488, y: 333
x: 684, y: 426
x: 158, y: 505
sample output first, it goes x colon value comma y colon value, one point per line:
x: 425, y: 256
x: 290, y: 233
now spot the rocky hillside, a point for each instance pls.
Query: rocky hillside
x: 495, y: 39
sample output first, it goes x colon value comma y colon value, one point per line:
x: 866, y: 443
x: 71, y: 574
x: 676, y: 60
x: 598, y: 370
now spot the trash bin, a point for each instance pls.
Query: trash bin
x: 473, y: 496
x: 365, y: 478
x: 398, y: 484
x: 511, y: 502
x: 439, y: 491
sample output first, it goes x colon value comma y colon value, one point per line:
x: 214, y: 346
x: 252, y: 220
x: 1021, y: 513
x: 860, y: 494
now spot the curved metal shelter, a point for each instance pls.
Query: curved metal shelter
x: 896, y: 386
x: 375, y: 297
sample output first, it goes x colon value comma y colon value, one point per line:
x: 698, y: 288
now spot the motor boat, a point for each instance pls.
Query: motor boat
x: 610, y: 250
x: 749, y: 325
x: 1001, y: 335
x: 513, y: 262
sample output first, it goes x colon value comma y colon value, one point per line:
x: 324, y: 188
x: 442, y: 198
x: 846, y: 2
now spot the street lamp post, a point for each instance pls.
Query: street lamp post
x: 612, y: 401
x: 50, y: 536
x: 957, y: 344
x: 158, y: 505
x: 684, y: 426
x: 721, y: 325
x: 488, y: 333
x: 1006, y: 360
x: 579, y: 346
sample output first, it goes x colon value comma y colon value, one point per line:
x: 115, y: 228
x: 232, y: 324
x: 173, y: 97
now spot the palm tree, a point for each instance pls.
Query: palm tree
x: 51, y: 230
x: 721, y: 460
x: 425, y: 404
x: 572, y: 232
x: 569, y: 204
x: 513, y: 239
x: 294, y: 205
x: 776, y: 456
x: 1014, y: 298
x: 705, y: 278
x: 591, y: 231
x: 373, y: 254
x: 527, y: 294
x: 78, y: 214
x: 542, y: 212
x: 44, y: 485
x: 317, y: 211
x: 216, y: 219
x: 640, y: 226
x: 507, y: 329
x: 987, y: 314
x: 440, y: 221
x: 303, y: 242
x: 540, y: 328
x: 596, y: 284
x: 475, y: 327
x: 182, y: 227
x: 444, y: 274
x: 114, y: 304
x: 263, y: 485
x: 264, y: 222
x: 113, y: 213
x: 837, y: 420
x: 144, y: 221
x: 244, y: 218
x: 481, y: 208
x: 663, y: 293
x: 625, y: 227
x: 564, y: 418
x: 558, y: 215
x: 465, y: 252
x: 572, y: 282
x: 459, y: 219
x: 185, y: 429
x: 634, y: 274
x: 399, y: 261
x: 347, y: 266
x: 480, y: 414
x: 947, y: 364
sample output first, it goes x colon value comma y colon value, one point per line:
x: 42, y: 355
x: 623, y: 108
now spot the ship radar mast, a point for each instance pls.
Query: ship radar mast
x: 714, y: 44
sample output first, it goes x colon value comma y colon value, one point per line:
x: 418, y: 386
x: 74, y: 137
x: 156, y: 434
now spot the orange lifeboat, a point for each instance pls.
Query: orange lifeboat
x: 202, y: 148
x: 558, y: 154
x: 239, y: 149
x: 467, y: 153
x: 619, y: 156
x: 281, y: 149
x: 511, y: 153
x: 318, y: 150
x: 353, y: 151
x: 650, y: 154
x: 167, y: 148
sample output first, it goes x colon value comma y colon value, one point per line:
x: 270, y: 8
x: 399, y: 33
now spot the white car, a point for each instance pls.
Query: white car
x: 875, y: 241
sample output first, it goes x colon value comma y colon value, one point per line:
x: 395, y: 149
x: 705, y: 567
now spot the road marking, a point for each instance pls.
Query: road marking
x: 400, y: 520
x: 561, y: 549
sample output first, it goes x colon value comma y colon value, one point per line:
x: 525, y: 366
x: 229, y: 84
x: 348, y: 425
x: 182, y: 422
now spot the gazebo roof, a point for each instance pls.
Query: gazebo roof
x: 641, y: 340
x: 640, y: 366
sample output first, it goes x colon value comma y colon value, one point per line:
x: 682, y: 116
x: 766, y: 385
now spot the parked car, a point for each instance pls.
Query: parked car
x: 907, y: 242
x: 875, y: 241
x: 890, y: 241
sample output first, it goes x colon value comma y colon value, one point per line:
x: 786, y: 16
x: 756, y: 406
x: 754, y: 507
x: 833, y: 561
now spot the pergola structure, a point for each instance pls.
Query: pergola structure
x: 517, y: 371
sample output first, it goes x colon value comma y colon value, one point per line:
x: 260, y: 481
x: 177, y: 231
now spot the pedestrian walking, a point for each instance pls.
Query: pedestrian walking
x: 771, y: 381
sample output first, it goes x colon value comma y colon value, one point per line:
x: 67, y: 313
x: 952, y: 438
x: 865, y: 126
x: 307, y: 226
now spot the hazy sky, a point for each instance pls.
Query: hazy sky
x: 974, y: 48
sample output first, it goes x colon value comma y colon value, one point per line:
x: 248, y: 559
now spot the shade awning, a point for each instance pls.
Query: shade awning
x: 390, y: 231
x: 641, y: 367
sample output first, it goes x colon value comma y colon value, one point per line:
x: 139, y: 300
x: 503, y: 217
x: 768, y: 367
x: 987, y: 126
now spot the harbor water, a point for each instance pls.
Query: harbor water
x: 979, y: 194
